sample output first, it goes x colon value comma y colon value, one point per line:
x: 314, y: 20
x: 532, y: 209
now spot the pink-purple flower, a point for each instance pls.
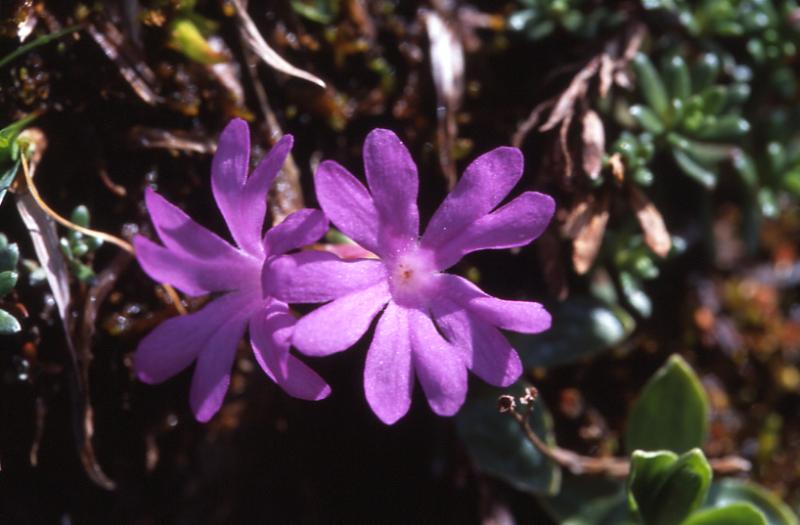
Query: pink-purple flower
x: 433, y: 326
x: 198, y: 262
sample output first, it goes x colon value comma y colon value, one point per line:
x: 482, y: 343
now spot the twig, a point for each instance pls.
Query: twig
x: 586, y: 465
x: 61, y: 220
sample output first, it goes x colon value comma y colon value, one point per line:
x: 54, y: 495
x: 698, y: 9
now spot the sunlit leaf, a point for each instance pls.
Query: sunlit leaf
x: 733, y: 514
x: 672, y: 411
x: 728, y: 490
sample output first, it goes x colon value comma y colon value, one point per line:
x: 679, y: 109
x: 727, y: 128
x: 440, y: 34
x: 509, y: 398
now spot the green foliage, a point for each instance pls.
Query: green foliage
x: 498, y: 446
x: 540, y: 18
x: 727, y: 491
x: 734, y: 514
x: 320, y: 11
x: 582, y: 327
x: 671, y: 413
x: 664, y: 488
x: 77, y: 248
x: 9, y: 256
x: 686, y: 113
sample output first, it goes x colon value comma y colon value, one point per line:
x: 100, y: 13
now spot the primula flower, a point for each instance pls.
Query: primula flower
x: 198, y: 262
x: 433, y: 325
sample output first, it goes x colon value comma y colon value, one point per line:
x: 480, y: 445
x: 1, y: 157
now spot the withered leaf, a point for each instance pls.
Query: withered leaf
x: 586, y: 224
x: 594, y: 144
x: 565, y: 106
x: 655, y: 231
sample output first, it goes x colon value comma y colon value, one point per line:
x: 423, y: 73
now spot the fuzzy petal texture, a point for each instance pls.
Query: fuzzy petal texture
x: 212, y: 373
x: 181, y: 235
x: 484, y: 184
x: 515, y: 224
x: 388, y: 373
x: 175, y: 343
x: 270, y: 335
x: 299, y: 229
x: 316, y: 277
x: 393, y: 182
x: 517, y: 316
x: 192, y: 275
x: 487, y: 353
x: 439, y: 366
x: 347, y: 204
x: 337, y: 325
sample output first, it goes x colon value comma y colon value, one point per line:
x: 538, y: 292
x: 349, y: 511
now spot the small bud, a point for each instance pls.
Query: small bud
x: 506, y: 404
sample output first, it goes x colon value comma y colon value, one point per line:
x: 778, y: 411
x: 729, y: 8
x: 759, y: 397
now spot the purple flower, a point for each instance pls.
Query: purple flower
x: 198, y: 262
x: 433, y: 325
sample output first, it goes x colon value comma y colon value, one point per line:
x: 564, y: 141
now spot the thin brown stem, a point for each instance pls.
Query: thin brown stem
x: 607, y: 466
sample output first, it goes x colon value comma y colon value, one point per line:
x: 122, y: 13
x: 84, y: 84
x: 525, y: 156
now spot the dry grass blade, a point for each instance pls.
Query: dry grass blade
x: 177, y: 140
x: 593, y: 137
x: 447, y: 68
x: 655, y: 231
x: 256, y: 42
x: 115, y: 46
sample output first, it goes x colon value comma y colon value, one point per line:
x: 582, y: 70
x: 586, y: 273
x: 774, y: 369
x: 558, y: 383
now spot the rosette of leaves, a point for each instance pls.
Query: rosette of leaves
x: 689, y: 114
x: 78, y: 249
x: 9, y: 256
x: 540, y: 18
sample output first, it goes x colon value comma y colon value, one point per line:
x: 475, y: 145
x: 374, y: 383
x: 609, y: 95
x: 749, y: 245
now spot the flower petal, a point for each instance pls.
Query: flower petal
x: 316, y: 277
x: 484, y: 184
x: 347, y: 203
x: 439, y: 366
x: 485, y: 350
x: 175, y: 343
x: 180, y: 234
x: 337, y: 326
x: 270, y: 334
x: 518, y: 316
x: 515, y: 224
x: 388, y: 376
x: 393, y: 182
x: 212, y: 373
x: 299, y: 229
x: 194, y: 275
x: 229, y: 168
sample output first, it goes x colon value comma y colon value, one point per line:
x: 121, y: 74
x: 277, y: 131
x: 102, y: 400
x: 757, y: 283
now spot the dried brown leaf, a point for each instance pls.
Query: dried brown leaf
x: 589, y: 235
x: 565, y: 105
x: 563, y: 142
x: 254, y: 40
x: 655, y: 231
x: 617, y: 167
x: 175, y: 140
x: 447, y: 69
x: 531, y: 122
x: 594, y: 144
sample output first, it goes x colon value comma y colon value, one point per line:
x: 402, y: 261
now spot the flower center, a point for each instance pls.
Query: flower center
x: 411, y: 277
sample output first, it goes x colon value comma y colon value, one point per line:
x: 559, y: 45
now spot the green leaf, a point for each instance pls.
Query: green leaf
x: 80, y: 216
x: 705, y: 71
x: 320, y: 11
x: 498, y: 446
x: 664, y: 488
x: 726, y: 127
x: 651, y: 85
x: 693, y: 169
x: 647, y: 119
x: 7, y: 178
x: 589, y: 500
x: 8, y: 280
x: 672, y: 411
x: 636, y: 296
x: 8, y: 323
x: 42, y: 40
x: 185, y: 37
x: 676, y: 76
x: 9, y: 134
x: 728, y: 490
x: 9, y: 256
x: 734, y: 514
x: 713, y: 99
x: 582, y: 327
